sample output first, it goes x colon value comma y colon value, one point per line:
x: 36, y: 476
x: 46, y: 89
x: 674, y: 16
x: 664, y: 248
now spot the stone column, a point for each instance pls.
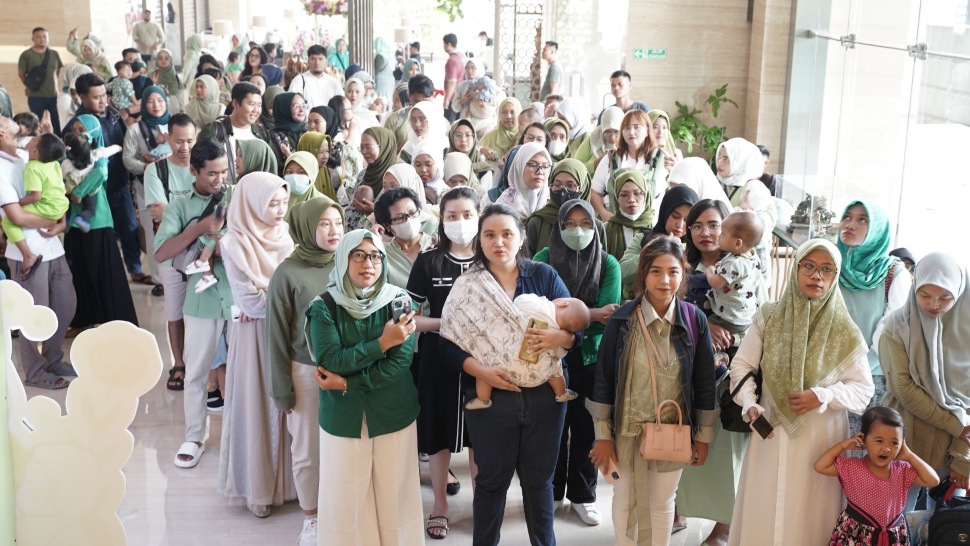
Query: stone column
x: 360, y: 24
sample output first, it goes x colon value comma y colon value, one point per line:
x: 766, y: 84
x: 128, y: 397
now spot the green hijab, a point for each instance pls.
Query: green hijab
x: 866, y: 266
x: 303, y: 229
x: 374, y: 173
x: 313, y: 142
x: 257, y: 156
x: 149, y: 119
x: 807, y: 343
x: 269, y: 101
x: 615, y: 240
x: 550, y: 212
x: 552, y: 122
x: 311, y: 167
x: 205, y: 111
x: 474, y: 154
x: 407, y: 69
x: 501, y: 139
x: 283, y: 116
x: 168, y: 77
x: 92, y: 128
x: 669, y: 145
x: 358, y: 302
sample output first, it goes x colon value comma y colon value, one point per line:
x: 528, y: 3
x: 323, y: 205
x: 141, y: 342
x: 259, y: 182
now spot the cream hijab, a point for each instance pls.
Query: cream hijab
x: 252, y: 242
x: 696, y: 174
x: 747, y: 163
x: 437, y: 134
x: 939, y: 348
x: 520, y: 196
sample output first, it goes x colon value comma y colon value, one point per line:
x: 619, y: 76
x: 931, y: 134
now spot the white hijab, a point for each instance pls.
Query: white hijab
x: 939, y: 348
x: 574, y: 113
x: 611, y: 119
x: 437, y: 135
x: 696, y: 174
x: 430, y: 149
x: 747, y: 163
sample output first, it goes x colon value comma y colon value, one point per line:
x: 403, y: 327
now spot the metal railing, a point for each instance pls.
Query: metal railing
x: 919, y: 50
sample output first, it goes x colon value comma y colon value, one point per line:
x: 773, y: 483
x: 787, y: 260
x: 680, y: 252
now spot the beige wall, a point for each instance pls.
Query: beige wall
x: 105, y: 17
x: 709, y: 44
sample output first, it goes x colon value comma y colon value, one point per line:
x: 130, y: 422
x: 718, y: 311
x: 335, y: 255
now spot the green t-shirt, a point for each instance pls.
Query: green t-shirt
x: 46, y: 178
x: 553, y: 75
x: 180, y: 182
x: 30, y: 59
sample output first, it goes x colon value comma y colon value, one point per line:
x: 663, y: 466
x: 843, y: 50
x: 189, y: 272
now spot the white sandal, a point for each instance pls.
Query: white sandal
x: 205, y: 283
x: 197, y: 266
x: 189, y: 448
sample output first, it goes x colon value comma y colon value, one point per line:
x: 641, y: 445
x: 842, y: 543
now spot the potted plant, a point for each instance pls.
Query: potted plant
x: 688, y: 128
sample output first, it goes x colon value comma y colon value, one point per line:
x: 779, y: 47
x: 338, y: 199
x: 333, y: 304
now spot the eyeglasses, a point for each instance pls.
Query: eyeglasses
x: 401, y: 218
x: 809, y: 269
x: 636, y: 195
x: 461, y: 136
x: 701, y: 228
x: 538, y: 167
x: 572, y: 188
x: 254, y: 56
x: 360, y: 257
x: 299, y: 105
x: 585, y: 224
x: 369, y: 147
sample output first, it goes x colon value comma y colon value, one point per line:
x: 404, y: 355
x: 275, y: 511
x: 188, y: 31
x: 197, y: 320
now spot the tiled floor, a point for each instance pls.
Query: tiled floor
x: 166, y: 505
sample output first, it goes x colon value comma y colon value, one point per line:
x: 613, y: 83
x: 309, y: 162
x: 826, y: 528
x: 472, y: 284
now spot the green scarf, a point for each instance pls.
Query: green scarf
x: 205, y: 111
x: 501, y: 139
x: 807, y: 343
x: 269, y: 101
x: 374, y: 173
x: 303, y: 229
x: 615, y: 240
x: 552, y: 122
x: 283, y: 117
x: 149, y: 119
x: 168, y: 77
x: 865, y: 267
x: 257, y: 157
x: 358, y: 302
x: 313, y: 142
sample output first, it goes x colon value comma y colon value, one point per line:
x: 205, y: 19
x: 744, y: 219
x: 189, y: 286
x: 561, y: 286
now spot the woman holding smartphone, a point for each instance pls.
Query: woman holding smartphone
x: 368, y: 402
x: 814, y: 370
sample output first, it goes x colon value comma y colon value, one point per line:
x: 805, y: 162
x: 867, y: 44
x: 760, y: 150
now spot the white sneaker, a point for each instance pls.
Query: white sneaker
x: 308, y: 537
x: 556, y: 505
x: 588, y: 513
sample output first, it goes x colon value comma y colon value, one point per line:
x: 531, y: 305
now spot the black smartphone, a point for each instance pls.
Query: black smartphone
x: 400, y: 307
x: 762, y: 427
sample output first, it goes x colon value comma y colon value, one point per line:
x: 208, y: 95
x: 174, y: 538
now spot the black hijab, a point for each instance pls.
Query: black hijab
x: 328, y: 115
x: 580, y: 270
x: 675, y: 197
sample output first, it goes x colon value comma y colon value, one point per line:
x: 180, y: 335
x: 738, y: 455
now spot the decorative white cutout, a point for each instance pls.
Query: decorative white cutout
x: 67, y: 469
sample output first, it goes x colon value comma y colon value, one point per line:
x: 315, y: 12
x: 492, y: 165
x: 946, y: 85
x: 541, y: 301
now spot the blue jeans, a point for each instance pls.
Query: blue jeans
x: 519, y: 433
x: 37, y: 105
x: 126, y: 227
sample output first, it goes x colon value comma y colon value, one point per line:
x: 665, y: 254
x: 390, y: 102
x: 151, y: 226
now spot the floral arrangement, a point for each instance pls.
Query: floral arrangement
x: 326, y: 7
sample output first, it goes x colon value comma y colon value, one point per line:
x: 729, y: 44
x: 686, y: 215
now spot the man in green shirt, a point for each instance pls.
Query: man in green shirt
x: 553, y: 83
x: 206, y: 314
x: 178, y: 181
x: 43, y: 97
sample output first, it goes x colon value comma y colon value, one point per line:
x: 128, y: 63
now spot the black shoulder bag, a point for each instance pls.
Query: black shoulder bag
x: 35, y: 76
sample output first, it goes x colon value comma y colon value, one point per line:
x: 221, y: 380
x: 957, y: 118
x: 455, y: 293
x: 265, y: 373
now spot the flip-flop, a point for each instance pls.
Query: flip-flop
x: 27, y: 273
x: 435, y: 522
x: 189, y: 448
x: 49, y: 381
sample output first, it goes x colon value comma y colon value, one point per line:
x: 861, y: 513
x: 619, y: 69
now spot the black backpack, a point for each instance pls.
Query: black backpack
x: 950, y: 524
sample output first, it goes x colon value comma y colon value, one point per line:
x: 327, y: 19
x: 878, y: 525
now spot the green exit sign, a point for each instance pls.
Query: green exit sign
x: 640, y: 53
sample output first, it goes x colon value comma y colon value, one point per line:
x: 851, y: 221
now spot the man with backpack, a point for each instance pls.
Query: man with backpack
x: 40, y: 68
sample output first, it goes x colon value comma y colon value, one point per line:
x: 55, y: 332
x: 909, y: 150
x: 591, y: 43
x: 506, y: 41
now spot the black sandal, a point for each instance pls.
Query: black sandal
x: 453, y: 487
x: 435, y: 522
x: 176, y: 383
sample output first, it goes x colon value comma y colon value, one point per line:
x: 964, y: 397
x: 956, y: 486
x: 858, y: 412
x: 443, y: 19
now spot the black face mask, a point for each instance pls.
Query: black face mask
x: 561, y: 196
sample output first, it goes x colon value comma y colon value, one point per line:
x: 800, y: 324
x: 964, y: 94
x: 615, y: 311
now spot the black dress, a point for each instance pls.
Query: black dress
x: 441, y: 422
x: 99, y: 278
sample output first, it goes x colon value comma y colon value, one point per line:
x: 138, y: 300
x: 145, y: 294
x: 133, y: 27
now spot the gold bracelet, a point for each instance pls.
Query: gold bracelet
x: 345, y: 386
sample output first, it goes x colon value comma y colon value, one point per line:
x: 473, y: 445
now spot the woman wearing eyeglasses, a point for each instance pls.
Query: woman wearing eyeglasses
x: 528, y: 189
x: 398, y: 211
x: 569, y: 180
x: 812, y: 358
x: 289, y: 123
x: 368, y: 403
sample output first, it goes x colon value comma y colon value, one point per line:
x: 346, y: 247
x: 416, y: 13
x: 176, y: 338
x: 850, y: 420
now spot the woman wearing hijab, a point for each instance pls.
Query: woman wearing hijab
x: 255, y: 461
x: 289, y: 124
x: 95, y: 262
x: 254, y: 156
x: 873, y: 283
x: 383, y: 69
x: 339, y: 57
x: 502, y: 183
x: 316, y: 227
x: 461, y: 138
x: 354, y: 90
x: 558, y: 147
x: 411, y: 69
x: 167, y: 78
x: 528, y: 180
x: 90, y: 53
x: 573, y: 112
x: 671, y: 220
x: 696, y: 174
x: 300, y: 171
x: 68, y: 100
x: 814, y: 370
x: 369, y: 464
x: 266, y: 118
x: 660, y: 125
x: 569, y: 180
x: 925, y: 356
x: 605, y: 137
x: 321, y: 146
x: 505, y: 135
x: 590, y: 274
x: 457, y: 171
x: 426, y: 128
x: 190, y: 57
x: 632, y: 205
x: 204, y: 106
x: 321, y: 118
x: 379, y: 149
x: 427, y: 163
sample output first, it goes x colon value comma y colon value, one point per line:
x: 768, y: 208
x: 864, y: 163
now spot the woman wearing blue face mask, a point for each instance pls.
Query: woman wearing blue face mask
x: 569, y: 180
x: 576, y: 252
x: 300, y: 171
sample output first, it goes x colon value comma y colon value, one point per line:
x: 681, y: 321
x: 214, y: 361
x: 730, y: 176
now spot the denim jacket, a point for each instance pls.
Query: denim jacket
x: 696, y: 371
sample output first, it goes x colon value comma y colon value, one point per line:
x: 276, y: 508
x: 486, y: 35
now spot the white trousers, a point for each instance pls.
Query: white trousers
x: 655, y: 491
x: 201, y: 337
x: 145, y: 220
x: 371, y: 487
x: 304, y: 426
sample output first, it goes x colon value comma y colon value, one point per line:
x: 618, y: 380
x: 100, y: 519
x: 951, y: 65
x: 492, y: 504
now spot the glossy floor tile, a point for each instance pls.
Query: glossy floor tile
x: 166, y: 505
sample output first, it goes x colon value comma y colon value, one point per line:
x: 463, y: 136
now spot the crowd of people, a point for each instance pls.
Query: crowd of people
x: 361, y: 270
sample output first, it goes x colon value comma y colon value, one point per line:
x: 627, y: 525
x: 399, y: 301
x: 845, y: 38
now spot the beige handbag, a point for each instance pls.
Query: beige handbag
x: 662, y: 442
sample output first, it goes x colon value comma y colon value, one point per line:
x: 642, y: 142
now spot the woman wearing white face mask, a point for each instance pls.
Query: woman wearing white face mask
x: 558, y: 138
x: 398, y: 211
x: 441, y: 425
x: 299, y: 171
x: 590, y: 274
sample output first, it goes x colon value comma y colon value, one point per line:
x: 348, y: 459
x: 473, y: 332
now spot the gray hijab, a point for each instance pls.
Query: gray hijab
x: 939, y: 348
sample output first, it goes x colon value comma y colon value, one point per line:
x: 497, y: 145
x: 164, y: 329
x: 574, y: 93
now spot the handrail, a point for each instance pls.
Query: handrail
x: 919, y: 50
